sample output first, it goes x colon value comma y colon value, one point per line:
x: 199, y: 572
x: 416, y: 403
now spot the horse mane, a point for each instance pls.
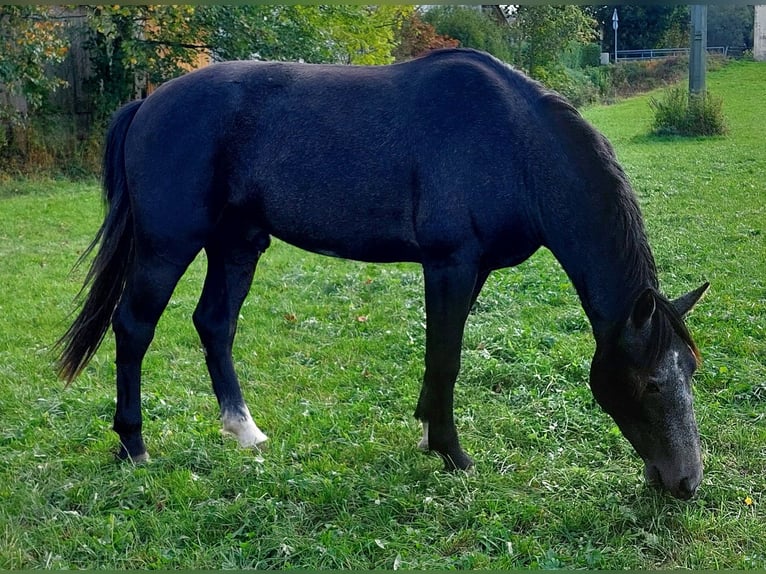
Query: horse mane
x: 598, y: 157
x: 597, y: 162
x: 672, y: 322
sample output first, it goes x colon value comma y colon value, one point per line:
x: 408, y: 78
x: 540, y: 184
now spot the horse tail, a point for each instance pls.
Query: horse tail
x: 109, y: 268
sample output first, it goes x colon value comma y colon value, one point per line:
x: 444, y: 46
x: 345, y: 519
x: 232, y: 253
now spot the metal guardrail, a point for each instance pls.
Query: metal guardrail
x: 630, y: 55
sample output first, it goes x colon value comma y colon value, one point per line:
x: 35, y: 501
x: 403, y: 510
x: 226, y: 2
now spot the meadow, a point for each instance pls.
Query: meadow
x: 330, y: 355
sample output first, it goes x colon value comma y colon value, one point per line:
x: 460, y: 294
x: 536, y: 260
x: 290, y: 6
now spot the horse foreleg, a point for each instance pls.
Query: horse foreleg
x: 449, y: 294
x: 480, y: 280
x: 147, y: 292
x: 228, y: 280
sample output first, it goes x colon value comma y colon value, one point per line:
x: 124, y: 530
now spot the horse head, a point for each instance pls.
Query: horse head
x: 641, y: 376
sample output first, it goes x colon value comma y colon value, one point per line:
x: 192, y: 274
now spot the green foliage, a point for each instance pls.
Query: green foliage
x: 31, y: 39
x: 578, y: 55
x: 730, y: 26
x: 550, y: 44
x: 472, y: 28
x: 644, y: 26
x: 628, y: 78
x: 155, y: 43
x: 583, y: 80
x: 682, y: 113
x: 352, y: 34
x: 416, y: 37
x: 545, y: 32
x: 342, y: 484
x: 363, y: 35
x: 580, y: 86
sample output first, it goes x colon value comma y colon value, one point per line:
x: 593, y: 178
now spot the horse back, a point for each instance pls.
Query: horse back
x: 374, y: 163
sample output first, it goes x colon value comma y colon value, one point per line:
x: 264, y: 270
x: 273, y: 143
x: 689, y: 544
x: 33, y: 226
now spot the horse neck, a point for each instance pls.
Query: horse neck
x: 589, y: 215
x: 598, y: 236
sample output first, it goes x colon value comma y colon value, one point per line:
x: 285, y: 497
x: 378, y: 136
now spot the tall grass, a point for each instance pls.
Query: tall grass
x: 679, y: 112
x: 342, y: 484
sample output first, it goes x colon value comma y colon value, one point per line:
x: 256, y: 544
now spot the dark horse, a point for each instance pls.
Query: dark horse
x: 453, y: 160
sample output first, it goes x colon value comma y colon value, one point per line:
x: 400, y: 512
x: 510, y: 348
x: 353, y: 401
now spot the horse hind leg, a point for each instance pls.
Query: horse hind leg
x: 231, y: 265
x: 147, y: 292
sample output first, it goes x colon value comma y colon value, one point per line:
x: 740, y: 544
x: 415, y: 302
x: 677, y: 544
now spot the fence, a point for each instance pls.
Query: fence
x: 631, y: 55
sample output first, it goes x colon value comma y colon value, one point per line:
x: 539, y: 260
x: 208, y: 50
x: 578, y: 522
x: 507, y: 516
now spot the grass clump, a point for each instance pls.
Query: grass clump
x: 688, y: 114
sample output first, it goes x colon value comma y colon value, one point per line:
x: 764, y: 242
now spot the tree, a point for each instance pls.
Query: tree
x: 545, y: 32
x: 31, y: 39
x: 416, y: 37
x: 730, y: 26
x: 129, y: 45
x: 643, y: 27
x: 472, y: 28
x: 353, y: 34
x: 361, y: 34
x: 159, y: 42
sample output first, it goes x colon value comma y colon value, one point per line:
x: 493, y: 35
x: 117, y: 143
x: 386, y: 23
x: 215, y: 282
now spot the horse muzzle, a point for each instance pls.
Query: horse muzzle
x: 682, y: 485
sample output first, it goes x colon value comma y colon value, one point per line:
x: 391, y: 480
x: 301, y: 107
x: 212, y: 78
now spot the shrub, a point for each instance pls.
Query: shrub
x: 578, y: 56
x: 47, y: 144
x: 601, y: 78
x: 590, y: 55
x: 629, y: 78
x: 681, y: 113
x: 578, y: 86
x: 474, y: 29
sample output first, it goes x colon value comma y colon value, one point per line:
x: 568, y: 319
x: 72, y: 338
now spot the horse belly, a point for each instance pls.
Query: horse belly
x: 333, y: 214
x: 350, y: 244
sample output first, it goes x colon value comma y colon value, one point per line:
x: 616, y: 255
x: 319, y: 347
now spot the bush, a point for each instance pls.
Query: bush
x: 578, y: 86
x: 472, y: 28
x: 629, y: 78
x: 681, y: 113
x: 46, y: 144
x: 579, y: 56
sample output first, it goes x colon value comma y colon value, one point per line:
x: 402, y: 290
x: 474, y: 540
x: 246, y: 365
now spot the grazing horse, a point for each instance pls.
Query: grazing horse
x: 453, y: 160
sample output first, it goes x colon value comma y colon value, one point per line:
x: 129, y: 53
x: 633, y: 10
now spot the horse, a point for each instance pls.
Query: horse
x: 454, y: 161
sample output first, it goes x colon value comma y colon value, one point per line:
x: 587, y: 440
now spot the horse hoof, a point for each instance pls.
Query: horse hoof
x: 247, y: 432
x: 260, y: 445
x: 458, y: 461
x: 250, y: 437
x: 140, y: 458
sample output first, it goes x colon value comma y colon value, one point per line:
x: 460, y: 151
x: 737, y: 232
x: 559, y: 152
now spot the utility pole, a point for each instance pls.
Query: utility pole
x: 759, y: 33
x: 698, y: 49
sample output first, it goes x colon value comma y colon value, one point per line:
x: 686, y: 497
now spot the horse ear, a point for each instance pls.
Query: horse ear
x: 643, y: 309
x: 636, y: 334
x: 685, y: 303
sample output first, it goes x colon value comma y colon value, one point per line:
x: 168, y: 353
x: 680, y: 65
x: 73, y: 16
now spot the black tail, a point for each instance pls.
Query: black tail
x: 108, y: 271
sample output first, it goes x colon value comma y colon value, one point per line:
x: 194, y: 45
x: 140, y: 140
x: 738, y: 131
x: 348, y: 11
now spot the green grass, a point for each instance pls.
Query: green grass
x: 342, y: 484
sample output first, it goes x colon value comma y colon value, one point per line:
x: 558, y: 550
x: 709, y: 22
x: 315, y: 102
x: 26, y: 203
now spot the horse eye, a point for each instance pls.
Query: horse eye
x: 652, y: 388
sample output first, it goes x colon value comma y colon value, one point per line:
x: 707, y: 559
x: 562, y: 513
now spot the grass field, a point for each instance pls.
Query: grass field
x: 330, y: 353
